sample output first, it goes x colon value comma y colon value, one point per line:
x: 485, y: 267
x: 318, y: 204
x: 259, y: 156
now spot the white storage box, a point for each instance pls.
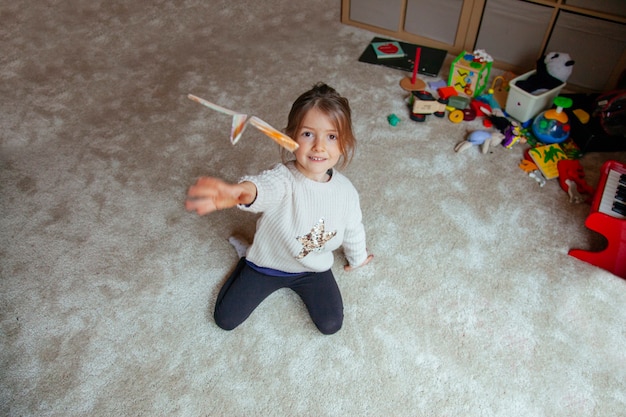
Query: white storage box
x: 523, y: 106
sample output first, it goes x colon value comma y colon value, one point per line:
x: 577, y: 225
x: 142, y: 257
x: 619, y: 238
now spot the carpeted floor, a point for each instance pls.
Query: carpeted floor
x: 471, y: 307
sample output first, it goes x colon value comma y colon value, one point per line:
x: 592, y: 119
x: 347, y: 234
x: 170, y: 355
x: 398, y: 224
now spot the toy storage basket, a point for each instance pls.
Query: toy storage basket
x: 522, y: 105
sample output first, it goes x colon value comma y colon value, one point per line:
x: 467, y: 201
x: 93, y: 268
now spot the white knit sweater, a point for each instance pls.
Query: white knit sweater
x: 294, y: 233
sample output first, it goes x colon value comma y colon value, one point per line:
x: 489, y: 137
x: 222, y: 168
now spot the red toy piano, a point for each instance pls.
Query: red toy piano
x: 608, y: 217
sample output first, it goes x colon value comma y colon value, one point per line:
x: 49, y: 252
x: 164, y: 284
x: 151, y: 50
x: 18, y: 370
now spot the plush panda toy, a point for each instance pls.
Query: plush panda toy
x: 553, y: 70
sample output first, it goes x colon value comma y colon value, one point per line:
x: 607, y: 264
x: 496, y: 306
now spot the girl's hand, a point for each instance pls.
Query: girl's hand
x: 349, y: 268
x: 211, y: 194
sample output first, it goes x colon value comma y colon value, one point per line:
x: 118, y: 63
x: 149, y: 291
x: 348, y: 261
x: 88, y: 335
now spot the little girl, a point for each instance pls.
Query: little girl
x: 308, y: 211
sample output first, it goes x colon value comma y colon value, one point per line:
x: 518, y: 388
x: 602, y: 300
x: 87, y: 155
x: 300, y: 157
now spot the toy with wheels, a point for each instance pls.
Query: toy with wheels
x: 422, y: 103
x: 552, y: 126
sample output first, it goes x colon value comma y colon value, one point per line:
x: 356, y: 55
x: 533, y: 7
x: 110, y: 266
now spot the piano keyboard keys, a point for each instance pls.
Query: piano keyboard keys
x: 619, y: 208
x: 613, y: 201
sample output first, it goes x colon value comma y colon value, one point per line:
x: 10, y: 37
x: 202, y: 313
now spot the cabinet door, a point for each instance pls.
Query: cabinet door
x: 614, y: 7
x: 513, y: 31
x: 384, y: 14
x: 444, y: 22
x: 597, y: 46
x: 433, y: 19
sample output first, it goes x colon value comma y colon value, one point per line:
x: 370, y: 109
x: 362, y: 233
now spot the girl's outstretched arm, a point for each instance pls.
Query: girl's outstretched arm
x: 210, y: 194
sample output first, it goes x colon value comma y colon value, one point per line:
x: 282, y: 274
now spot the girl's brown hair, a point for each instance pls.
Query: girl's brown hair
x: 336, y: 107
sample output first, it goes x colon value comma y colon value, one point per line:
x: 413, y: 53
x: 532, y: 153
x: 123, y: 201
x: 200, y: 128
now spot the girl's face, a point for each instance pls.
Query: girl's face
x: 319, y: 146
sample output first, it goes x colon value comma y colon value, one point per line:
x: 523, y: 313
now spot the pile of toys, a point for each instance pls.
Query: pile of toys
x: 512, y: 112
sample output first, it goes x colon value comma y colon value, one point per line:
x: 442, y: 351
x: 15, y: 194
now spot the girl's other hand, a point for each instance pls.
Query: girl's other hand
x: 349, y: 268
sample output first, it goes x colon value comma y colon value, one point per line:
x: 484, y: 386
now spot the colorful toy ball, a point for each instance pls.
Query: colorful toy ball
x: 552, y: 126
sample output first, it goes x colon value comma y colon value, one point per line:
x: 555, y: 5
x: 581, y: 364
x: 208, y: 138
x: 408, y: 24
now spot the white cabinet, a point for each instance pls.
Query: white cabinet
x: 515, y: 32
x: 436, y: 23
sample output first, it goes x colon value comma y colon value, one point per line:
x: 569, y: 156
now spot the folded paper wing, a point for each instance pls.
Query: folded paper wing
x: 239, y: 125
x: 278, y: 137
x: 240, y: 121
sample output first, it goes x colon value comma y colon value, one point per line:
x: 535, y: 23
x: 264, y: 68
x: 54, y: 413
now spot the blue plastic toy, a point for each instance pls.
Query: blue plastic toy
x: 552, y: 126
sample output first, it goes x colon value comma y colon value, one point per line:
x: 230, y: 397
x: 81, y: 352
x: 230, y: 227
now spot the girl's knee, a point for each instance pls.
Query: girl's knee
x: 225, y: 322
x: 330, y: 326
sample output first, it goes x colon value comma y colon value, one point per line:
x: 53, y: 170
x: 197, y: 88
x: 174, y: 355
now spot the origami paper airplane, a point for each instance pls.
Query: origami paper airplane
x: 240, y: 121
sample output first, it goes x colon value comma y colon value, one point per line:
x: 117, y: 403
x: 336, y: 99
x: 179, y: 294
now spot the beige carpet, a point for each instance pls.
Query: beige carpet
x: 472, y: 306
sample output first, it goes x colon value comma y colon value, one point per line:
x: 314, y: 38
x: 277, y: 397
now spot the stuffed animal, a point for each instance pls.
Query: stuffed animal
x: 482, y: 138
x: 553, y: 70
x: 512, y: 135
x: 511, y: 131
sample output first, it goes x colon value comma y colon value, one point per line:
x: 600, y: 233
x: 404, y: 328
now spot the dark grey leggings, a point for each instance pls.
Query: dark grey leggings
x: 246, y: 288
